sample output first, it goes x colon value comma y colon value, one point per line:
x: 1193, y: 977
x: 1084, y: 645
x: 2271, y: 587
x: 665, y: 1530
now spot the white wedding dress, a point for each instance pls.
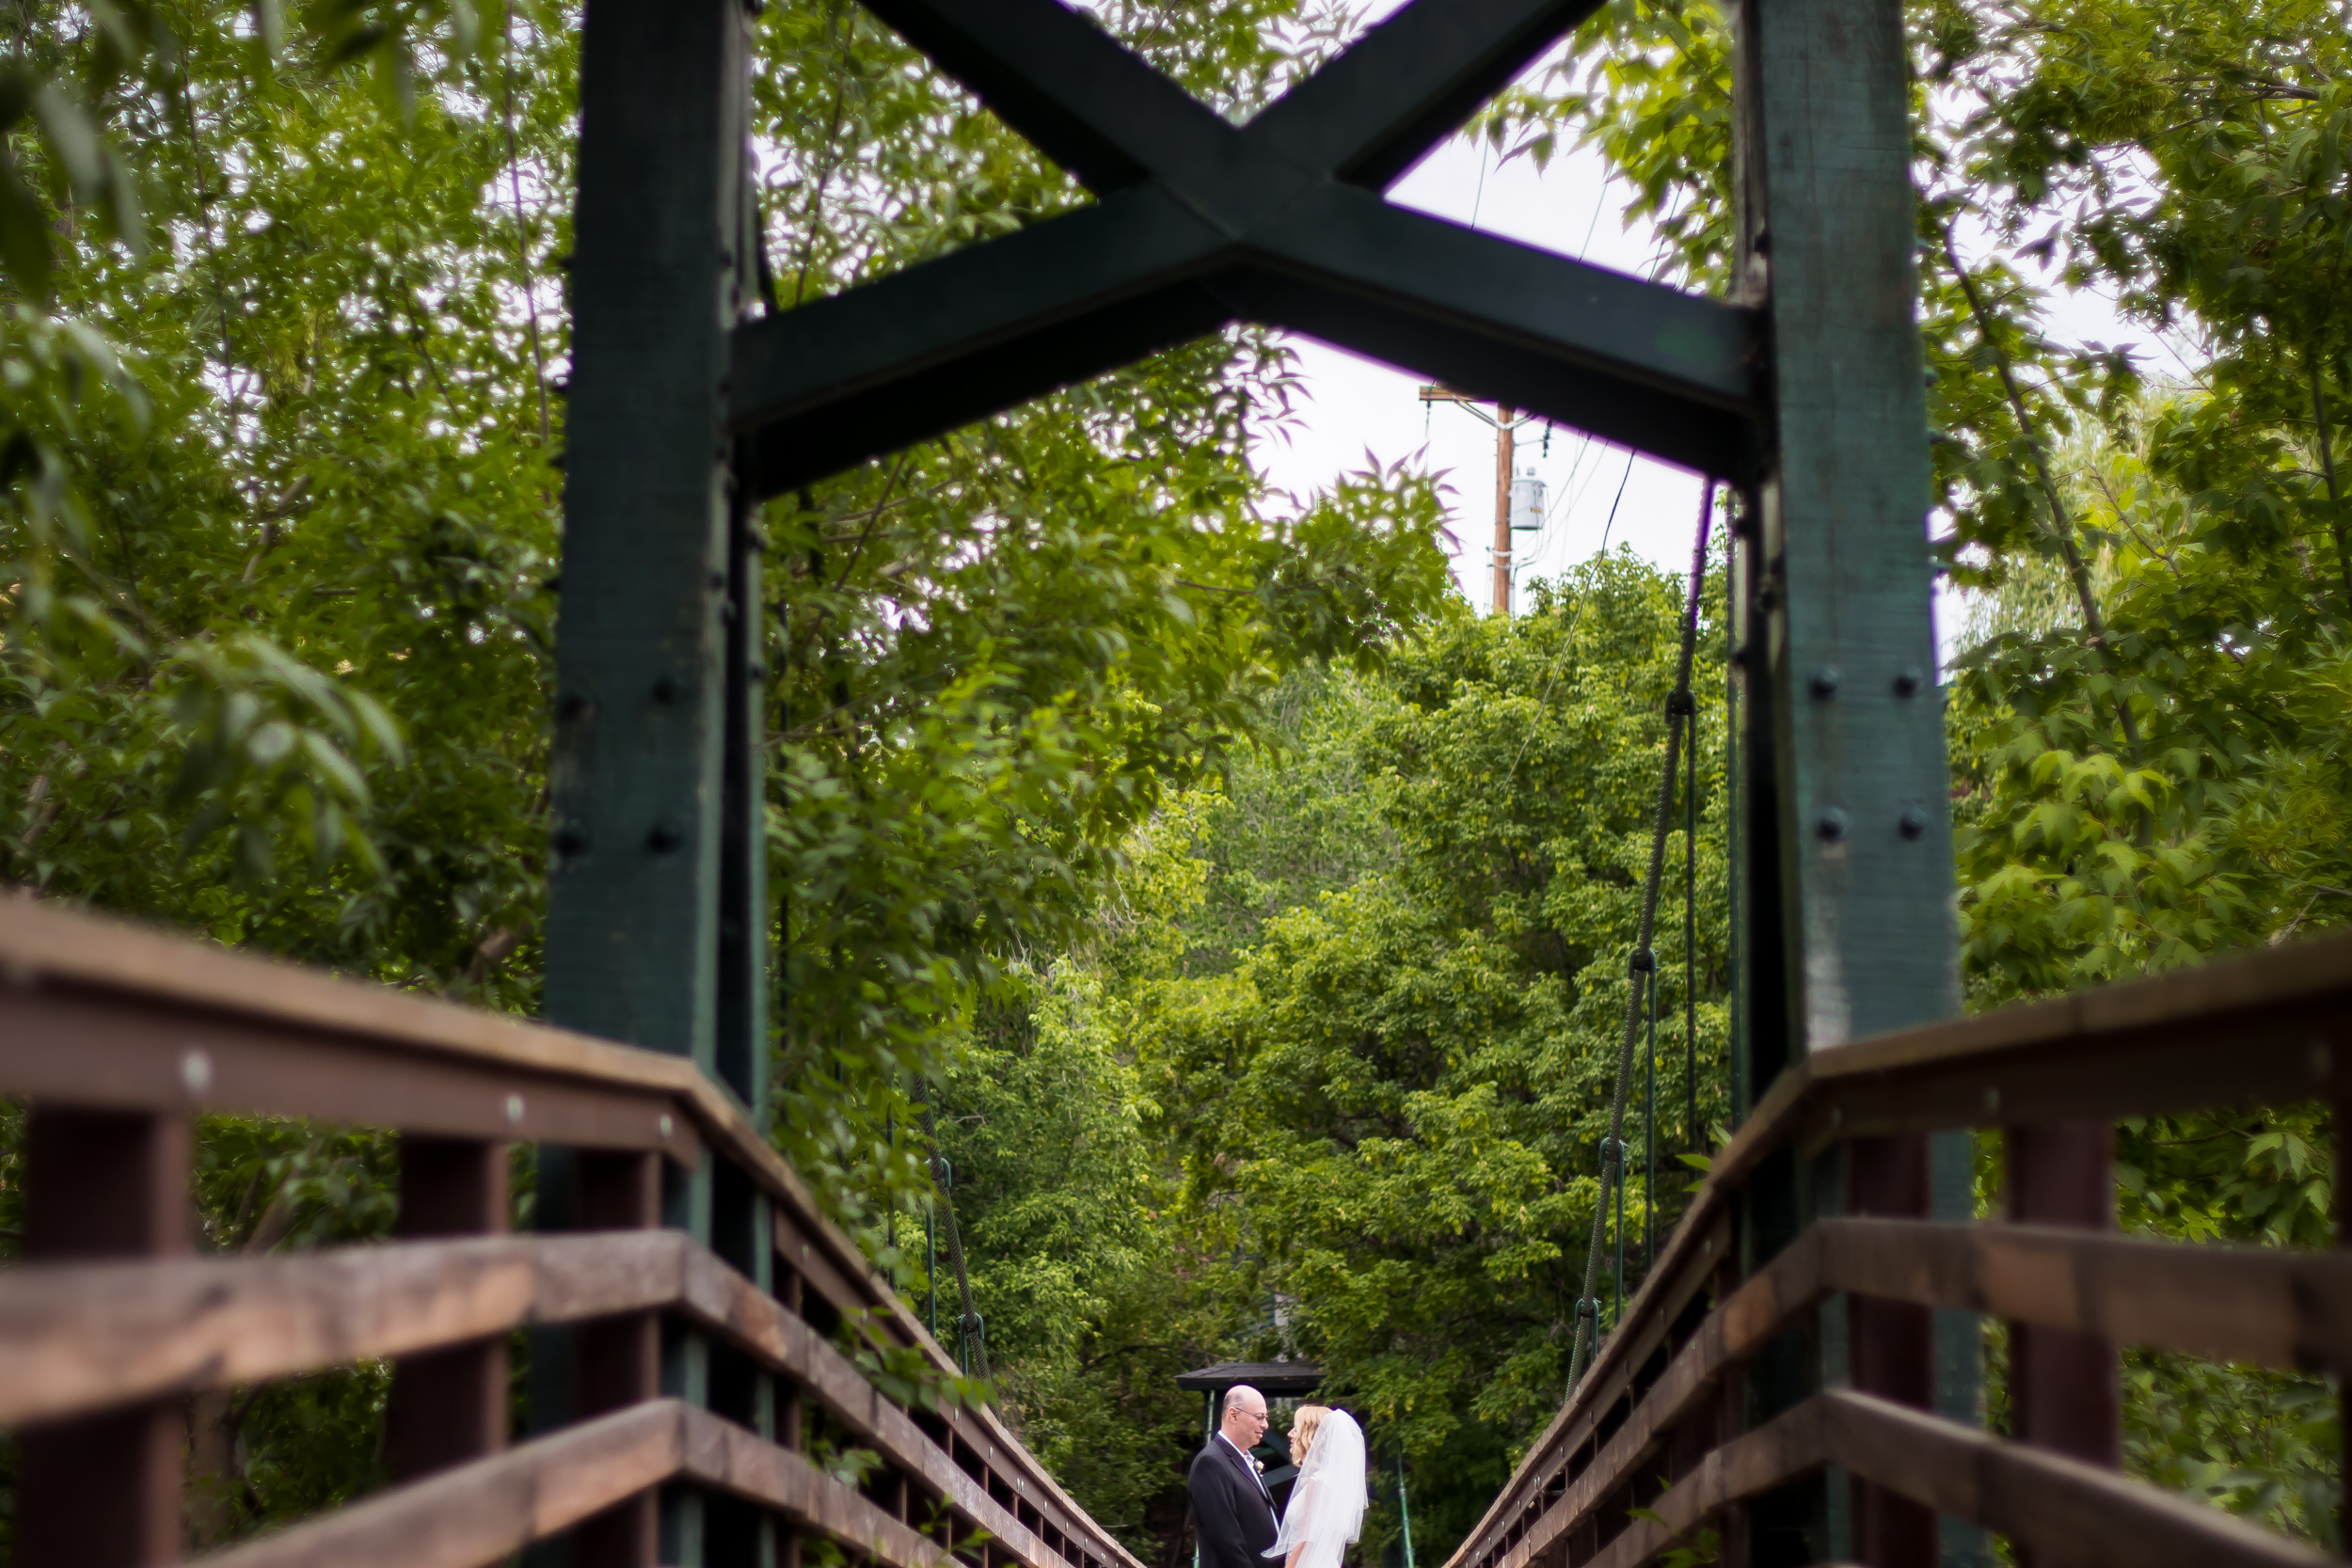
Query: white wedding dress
x: 1326, y: 1507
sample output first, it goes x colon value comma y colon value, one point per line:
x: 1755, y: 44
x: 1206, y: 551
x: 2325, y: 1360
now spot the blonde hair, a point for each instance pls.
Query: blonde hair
x: 1303, y: 1423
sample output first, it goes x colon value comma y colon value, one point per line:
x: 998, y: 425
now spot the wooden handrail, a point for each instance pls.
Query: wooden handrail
x: 2142, y: 1047
x: 103, y: 1014
x: 2078, y: 1512
x: 480, y: 1513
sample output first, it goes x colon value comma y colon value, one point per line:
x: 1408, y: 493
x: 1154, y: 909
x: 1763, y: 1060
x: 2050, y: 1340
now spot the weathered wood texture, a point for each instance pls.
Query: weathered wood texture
x: 2086, y: 1512
x: 481, y: 1511
x: 102, y: 1491
x: 107, y: 1016
x: 2138, y: 1048
x: 448, y: 1404
x: 2266, y: 1307
x: 74, y: 1338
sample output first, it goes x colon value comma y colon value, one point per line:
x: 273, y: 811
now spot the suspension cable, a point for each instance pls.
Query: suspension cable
x: 1641, y: 968
x: 971, y: 1335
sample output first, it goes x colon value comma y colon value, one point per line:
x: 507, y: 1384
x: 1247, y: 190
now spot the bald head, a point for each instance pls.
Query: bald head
x: 1244, y: 1417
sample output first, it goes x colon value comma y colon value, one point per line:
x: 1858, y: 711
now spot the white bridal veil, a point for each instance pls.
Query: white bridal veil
x: 1327, y: 1507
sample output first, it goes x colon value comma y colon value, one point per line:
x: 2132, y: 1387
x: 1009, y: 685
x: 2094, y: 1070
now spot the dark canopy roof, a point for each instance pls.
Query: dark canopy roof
x: 1273, y: 1378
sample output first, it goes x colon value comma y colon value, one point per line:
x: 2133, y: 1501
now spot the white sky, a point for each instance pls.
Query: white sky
x: 1351, y: 405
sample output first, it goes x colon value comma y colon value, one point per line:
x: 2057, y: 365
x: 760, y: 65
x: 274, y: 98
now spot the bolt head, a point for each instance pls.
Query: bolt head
x: 1908, y: 681
x: 1826, y: 681
x: 667, y: 691
x: 571, y: 839
x: 1831, y: 825
x: 1913, y: 823
x: 664, y: 837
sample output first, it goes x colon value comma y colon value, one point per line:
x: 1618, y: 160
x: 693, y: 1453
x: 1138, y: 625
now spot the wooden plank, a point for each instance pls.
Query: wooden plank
x: 1684, y: 1268
x: 79, y: 1337
x: 131, y: 1052
x: 2265, y: 1306
x: 715, y: 1295
x: 449, y: 1405
x: 102, y: 1491
x: 43, y: 946
x: 161, y: 1021
x: 2145, y: 1042
x: 479, y: 1512
x: 2074, y: 1511
x: 2060, y: 1505
x: 2268, y: 1307
x: 75, y: 1338
x: 739, y: 1462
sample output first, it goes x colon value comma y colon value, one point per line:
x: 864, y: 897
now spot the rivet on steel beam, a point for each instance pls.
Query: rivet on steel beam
x: 1831, y: 825
x: 1825, y: 681
x: 1908, y: 680
x: 666, y: 691
x: 515, y: 1110
x: 571, y: 707
x: 1913, y: 823
x: 195, y: 1072
x: 571, y: 839
x: 664, y: 836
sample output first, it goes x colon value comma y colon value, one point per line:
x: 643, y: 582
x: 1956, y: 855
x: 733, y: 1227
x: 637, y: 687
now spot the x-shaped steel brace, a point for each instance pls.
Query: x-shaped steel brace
x: 1200, y: 223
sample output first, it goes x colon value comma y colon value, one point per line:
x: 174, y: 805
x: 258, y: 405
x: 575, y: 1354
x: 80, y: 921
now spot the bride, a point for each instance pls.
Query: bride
x: 1327, y: 1505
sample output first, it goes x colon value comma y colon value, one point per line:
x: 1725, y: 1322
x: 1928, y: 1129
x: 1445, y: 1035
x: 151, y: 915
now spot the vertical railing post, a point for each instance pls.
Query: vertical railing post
x: 103, y: 1491
x: 2065, y: 1390
x: 450, y: 1405
x: 1846, y: 833
x: 618, y: 1361
x: 656, y: 907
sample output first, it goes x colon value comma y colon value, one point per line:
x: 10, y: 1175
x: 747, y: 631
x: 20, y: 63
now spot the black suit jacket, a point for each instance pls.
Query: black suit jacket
x: 1231, y: 1512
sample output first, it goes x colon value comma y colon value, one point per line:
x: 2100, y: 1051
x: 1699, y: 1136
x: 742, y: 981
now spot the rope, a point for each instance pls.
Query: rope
x: 1641, y: 967
x: 971, y: 1335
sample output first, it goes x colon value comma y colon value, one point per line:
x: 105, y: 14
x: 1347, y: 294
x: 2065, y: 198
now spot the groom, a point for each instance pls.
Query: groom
x: 1230, y: 1506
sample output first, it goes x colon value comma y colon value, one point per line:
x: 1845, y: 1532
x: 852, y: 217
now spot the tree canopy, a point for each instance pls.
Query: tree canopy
x: 1247, y: 919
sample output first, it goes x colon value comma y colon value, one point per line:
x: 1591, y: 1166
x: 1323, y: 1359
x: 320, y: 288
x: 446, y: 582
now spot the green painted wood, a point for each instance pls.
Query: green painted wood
x: 646, y: 692
x: 632, y: 895
x: 1855, y: 910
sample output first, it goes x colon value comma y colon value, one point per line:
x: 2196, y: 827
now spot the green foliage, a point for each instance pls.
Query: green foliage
x: 280, y: 496
x: 1331, y: 1074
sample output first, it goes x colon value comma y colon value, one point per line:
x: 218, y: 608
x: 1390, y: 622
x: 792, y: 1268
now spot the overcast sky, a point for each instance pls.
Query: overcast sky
x: 1355, y: 405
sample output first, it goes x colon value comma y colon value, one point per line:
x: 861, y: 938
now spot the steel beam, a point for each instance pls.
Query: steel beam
x: 1081, y: 97
x: 646, y: 694
x: 953, y: 340
x: 1202, y: 221
x: 1409, y: 83
x: 1855, y: 935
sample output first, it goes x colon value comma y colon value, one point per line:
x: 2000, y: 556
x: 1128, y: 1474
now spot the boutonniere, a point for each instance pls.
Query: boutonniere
x: 1260, y: 1463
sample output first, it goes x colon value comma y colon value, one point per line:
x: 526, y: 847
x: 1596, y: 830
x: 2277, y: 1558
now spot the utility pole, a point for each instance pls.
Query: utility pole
x: 1505, y: 422
x: 1503, y: 454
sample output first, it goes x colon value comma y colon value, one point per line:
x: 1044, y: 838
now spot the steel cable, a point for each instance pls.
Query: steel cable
x: 1678, y: 706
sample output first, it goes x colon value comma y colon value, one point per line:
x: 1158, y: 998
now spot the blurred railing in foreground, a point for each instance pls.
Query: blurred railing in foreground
x: 118, y: 1038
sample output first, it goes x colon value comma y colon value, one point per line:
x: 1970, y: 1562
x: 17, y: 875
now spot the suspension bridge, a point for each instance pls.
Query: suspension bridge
x: 1797, y: 1380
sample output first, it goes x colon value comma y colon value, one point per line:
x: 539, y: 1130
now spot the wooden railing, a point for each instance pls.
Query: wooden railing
x: 118, y: 1038
x: 1671, y: 1431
